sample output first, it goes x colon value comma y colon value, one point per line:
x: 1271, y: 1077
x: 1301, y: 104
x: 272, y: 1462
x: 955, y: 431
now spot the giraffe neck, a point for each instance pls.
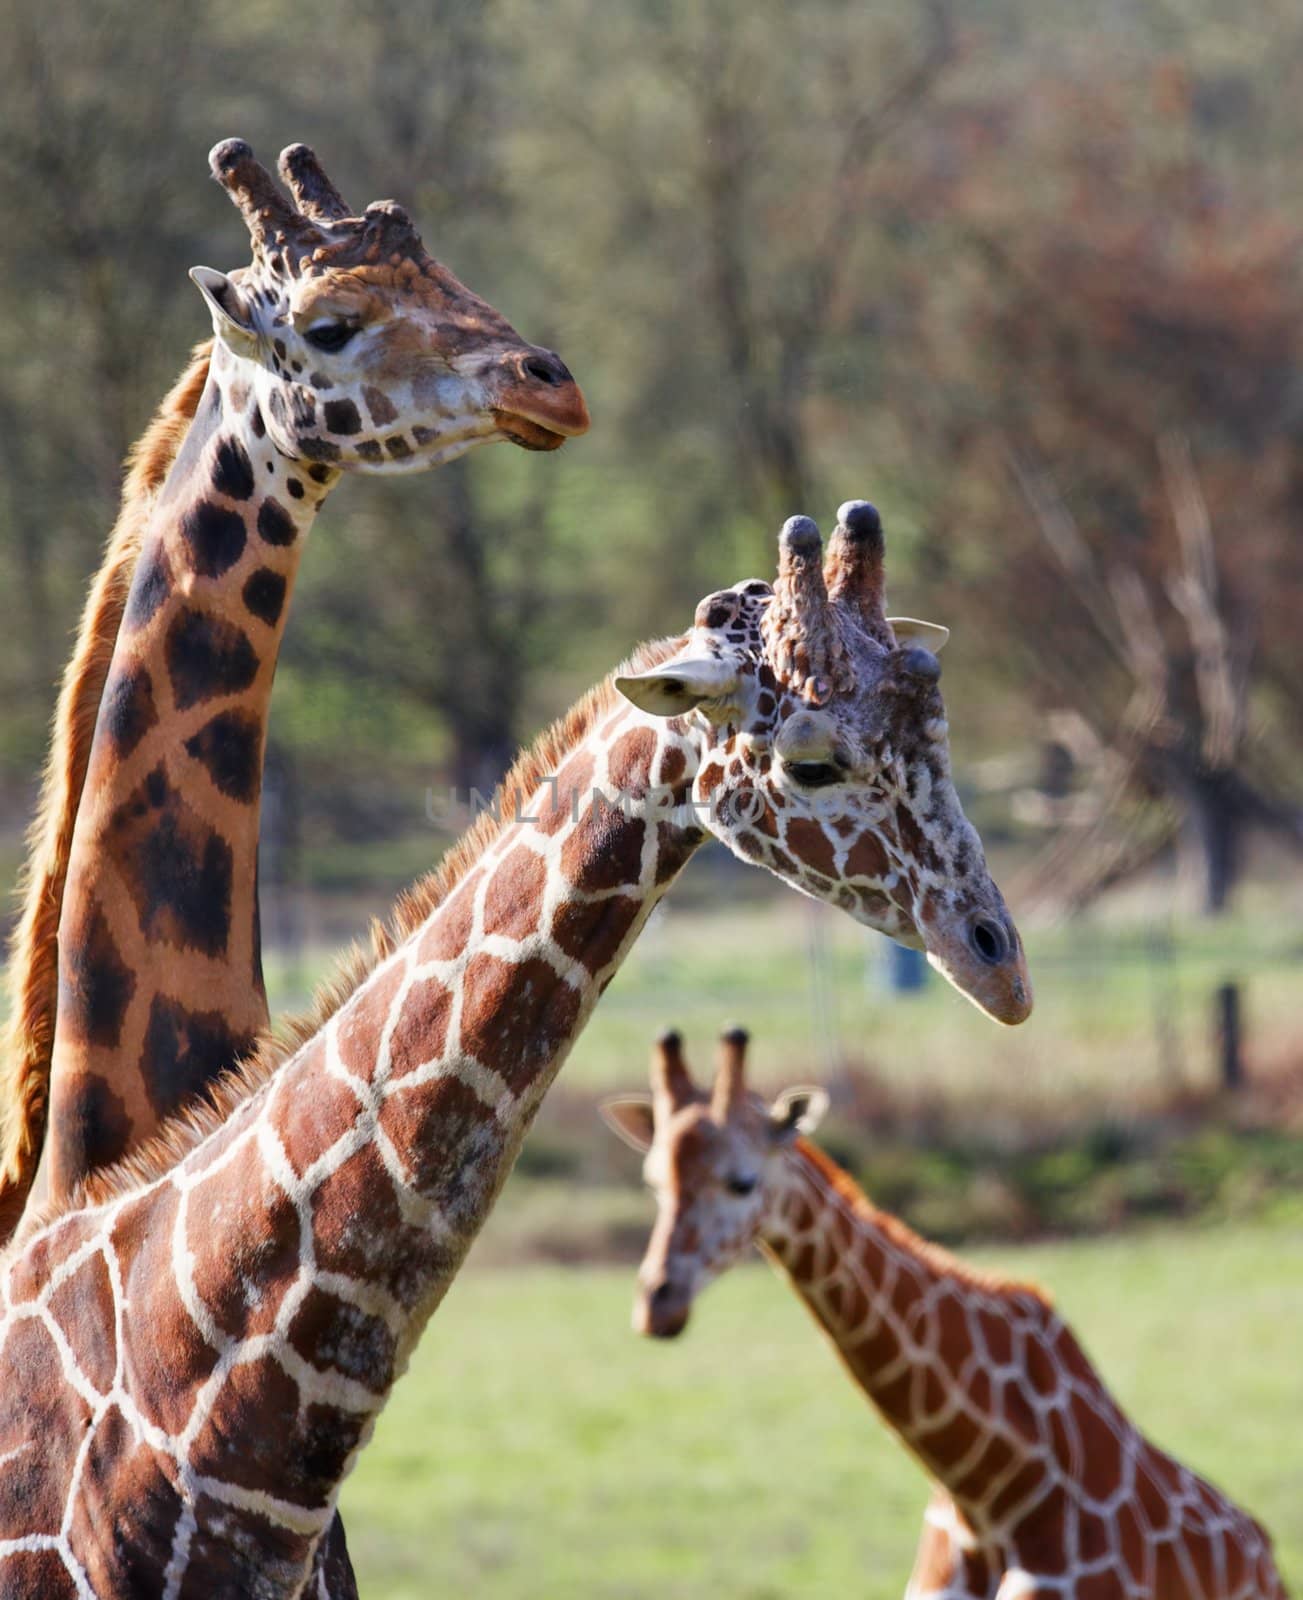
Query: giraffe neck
x: 160, y: 976
x: 961, y: 1368
x: 249, y: 1310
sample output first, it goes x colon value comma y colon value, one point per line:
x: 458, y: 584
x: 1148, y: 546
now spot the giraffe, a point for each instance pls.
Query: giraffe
x: 343, y: 347
x: 206, y: 1333
x: 1043, y: 1485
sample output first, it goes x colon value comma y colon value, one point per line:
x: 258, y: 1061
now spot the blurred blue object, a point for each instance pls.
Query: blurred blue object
x: 906, y: 968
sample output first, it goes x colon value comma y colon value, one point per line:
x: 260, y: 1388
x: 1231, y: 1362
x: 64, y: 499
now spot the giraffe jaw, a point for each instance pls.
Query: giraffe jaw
x: 529, y: 435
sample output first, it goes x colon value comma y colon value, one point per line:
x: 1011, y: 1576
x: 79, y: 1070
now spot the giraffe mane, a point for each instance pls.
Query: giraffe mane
x: 27, y: 1041
x: 192, y: 1124
x: 935, y: 1256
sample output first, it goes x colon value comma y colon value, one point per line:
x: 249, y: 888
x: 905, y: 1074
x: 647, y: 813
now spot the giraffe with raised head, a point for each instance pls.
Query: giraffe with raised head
x: 1043, y: 1485
x: 344, y: 346
x: 205, y: 1339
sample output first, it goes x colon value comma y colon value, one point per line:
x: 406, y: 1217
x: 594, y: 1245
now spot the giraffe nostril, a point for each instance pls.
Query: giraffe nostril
x: 660, y: 1295
x: 547, y: 368
x: 989, y: 941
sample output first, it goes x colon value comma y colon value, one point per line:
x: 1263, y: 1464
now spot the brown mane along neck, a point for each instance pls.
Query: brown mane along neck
x: 32, y: 975
x: 942, y: 1263
x: 180, y: 1134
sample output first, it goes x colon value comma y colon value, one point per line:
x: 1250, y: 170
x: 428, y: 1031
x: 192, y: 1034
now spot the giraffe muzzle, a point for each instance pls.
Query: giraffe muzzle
x: 661, y: 1311
x: 539, y: 404
x: 983, y: 957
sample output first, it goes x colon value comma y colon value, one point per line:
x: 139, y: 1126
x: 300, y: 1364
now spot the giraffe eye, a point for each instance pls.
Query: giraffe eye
x: 815, y: 774
x: 741, y: 1186
x: 330, y: 336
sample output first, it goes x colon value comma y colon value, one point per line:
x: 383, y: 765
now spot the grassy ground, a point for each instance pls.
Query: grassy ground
x: 538, y: 1449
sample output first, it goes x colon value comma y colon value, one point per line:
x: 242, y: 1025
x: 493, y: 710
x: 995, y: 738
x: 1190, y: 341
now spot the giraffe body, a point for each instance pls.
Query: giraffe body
x: 1044, y: 1486
x: 345, y: 346
x: 205, y: 1342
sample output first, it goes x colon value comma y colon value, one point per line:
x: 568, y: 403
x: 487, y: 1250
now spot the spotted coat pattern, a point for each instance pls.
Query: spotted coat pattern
x: 1043, y: 1485
x: 203, y: 1350
x: 160, y: 969
x: 160, y: 977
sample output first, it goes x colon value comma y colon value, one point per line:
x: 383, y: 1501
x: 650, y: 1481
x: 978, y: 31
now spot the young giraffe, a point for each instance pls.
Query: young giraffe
x: 1044, y: 1485
x: 345, y: 346
x: 202, y: 1347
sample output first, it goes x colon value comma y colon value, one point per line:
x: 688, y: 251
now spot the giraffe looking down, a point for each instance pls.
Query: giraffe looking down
x: 344, y: 346
x: 1044, y: 1487
x: 202, y: 1340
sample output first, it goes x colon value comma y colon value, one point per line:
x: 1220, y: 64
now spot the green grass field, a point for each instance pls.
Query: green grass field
x: 537, y: 1448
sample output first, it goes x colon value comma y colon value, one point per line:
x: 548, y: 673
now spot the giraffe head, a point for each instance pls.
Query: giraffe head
x: 360, y: 350
x: 823, y: 754
x: 711, y: 1159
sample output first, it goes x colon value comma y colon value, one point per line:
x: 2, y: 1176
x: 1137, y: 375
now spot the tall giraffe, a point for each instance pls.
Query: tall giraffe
x: 1044, y: 1486
x: 205, y: 1342
x: 343, y: 347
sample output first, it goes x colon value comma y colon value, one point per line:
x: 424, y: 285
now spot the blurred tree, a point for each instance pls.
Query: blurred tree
x: 1113, y: 392
x: 95, y: 256
x: 988, y: 266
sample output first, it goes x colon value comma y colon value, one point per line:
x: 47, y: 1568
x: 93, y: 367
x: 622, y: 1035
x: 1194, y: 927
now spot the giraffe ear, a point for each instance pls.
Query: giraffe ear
x: 909, y: 630
x: 678, y: 686
x: 797, y: 1111
x: 232, y: 322
x: 630, y: 1118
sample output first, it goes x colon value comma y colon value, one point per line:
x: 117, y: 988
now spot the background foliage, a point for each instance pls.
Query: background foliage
x: 1029, y: 284
x: 1029, y: 278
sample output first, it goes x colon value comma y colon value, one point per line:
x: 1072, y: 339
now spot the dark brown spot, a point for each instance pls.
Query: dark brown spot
x: 515, y: 1015
x: 178, y: 872
x: 369, y: 450
x: 128, y: 709
x: 673, y: 764
x: 595, y: 934
x: 91, y: 1128
x: 629, y: 763
x: 606, y: 853
x: 264, y: 594
x: 451, y: 927
x: 383, y: 410
x: 447, y: 1138
x: 215, y: 536
x: 185, y: 1052
x: 207, y: 657
x: 275, y: 524
x: 361, y: 1188
x: 333, y: 1335
x: 810, y: 845
x: 257, y: 424
x: 230, y: 747
x: 232, y: 470
x: 295, y: 488
x: 398, y: 447
x: 342, y: 417
x: 513, y: 900
x: 318, y: 449
x: 319, y: 474
x: 95, y: 983
x: 150, y: 586
x: 422, y: 1029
